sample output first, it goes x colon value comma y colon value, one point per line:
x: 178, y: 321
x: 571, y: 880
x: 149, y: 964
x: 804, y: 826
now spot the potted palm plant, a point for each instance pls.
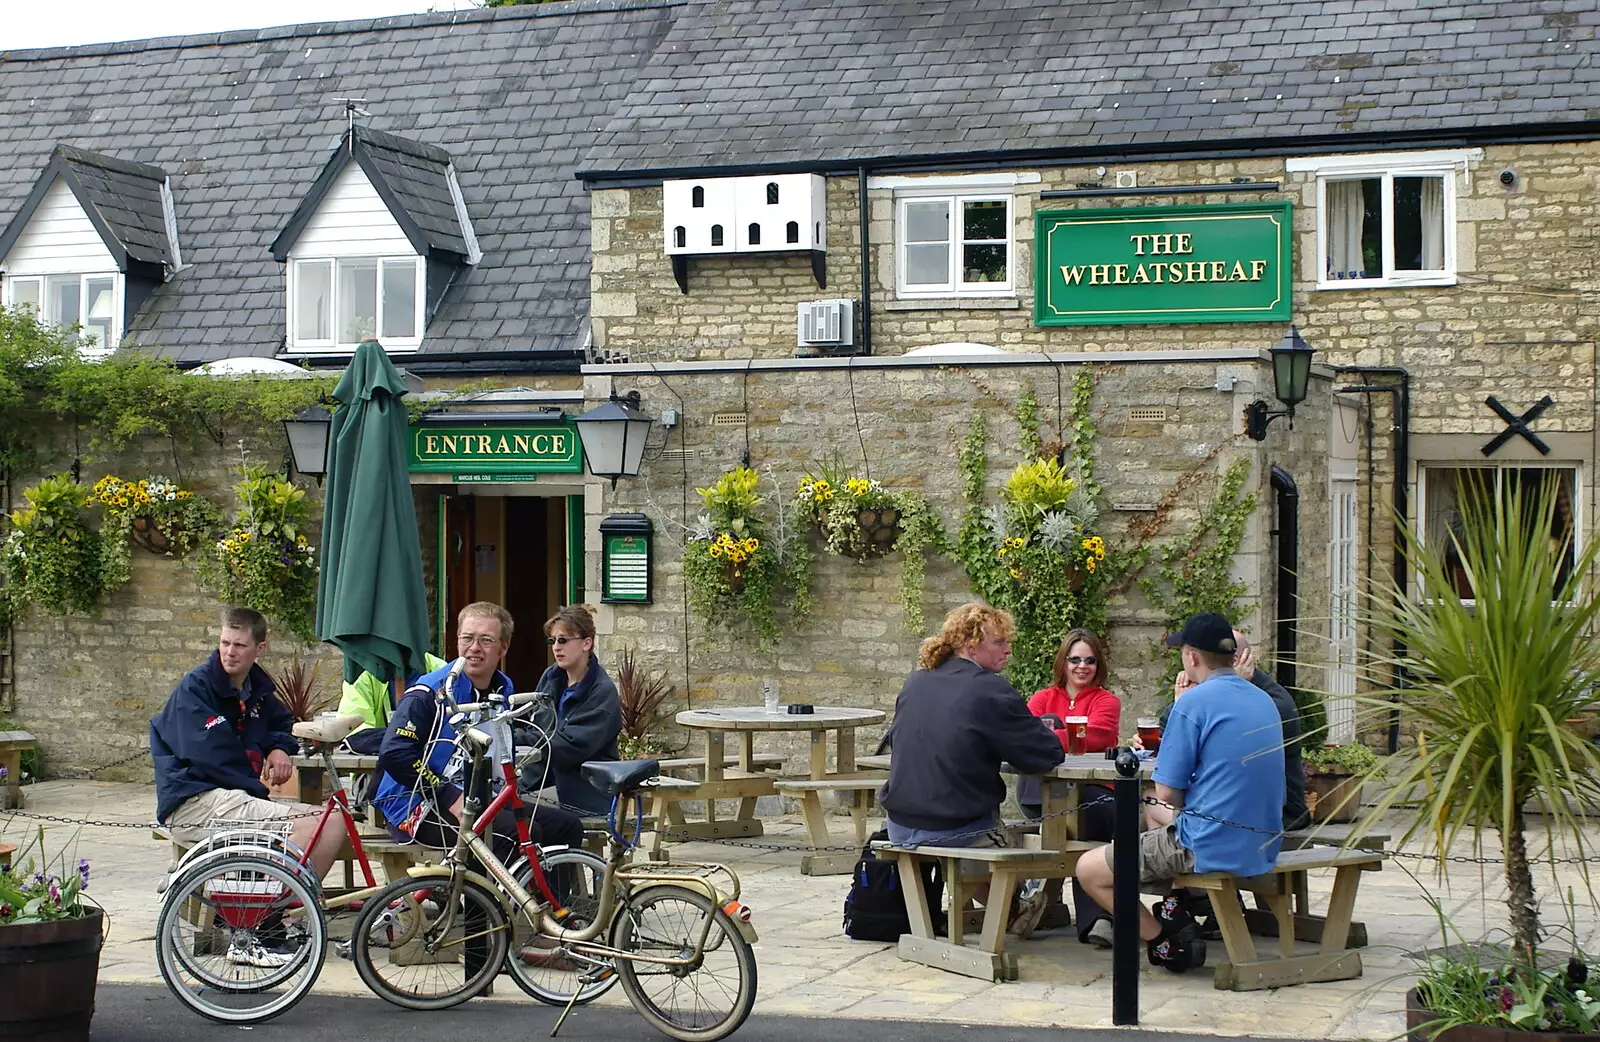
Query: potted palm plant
x: 298, y: 687
x: 642, y: 697
x: 1492, y: 683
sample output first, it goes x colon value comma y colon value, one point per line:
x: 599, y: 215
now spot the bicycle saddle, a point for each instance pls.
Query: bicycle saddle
x: 615, y: 777
x: 327, y: 728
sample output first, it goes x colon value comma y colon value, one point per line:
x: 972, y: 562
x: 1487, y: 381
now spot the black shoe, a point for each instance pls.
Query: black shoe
x: 1182, y: 949
x: 1172, y: 912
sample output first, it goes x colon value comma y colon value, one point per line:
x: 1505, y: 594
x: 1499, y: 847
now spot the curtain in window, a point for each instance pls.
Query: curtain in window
x: 1346, y: 210
x: 1433, y: 223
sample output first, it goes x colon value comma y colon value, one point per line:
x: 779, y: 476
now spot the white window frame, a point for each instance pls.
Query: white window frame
x: 1386, y: 167
x: 332, y: 345
x: 954, y: 197
x: 80, y: 320
x: 1421, y: 520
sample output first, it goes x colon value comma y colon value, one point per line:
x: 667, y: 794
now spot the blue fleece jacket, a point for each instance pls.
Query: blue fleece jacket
x: 198, y: 743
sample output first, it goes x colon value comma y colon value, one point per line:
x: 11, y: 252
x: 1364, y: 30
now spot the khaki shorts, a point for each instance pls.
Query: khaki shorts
x: 1161, y: 857
x: 198, y: 816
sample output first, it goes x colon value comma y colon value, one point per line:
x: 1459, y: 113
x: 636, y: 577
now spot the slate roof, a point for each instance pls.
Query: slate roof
x: 817, y: 83
x: 244, y: 121
x: 411, y: 177
x: 121, y: 199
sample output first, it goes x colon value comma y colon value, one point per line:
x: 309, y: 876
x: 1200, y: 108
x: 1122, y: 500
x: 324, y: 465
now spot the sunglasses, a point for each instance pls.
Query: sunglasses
x: 556, y: 642
x: 1083, y: 660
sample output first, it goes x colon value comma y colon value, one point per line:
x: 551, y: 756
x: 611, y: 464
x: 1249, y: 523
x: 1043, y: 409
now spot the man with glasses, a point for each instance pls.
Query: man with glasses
x: 420, y: 800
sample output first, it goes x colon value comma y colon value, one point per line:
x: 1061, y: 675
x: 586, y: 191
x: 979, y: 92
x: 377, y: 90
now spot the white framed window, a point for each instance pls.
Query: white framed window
x: 1387, y: 219
x: 336, y: 302
x: 91, y: 302
x: 1445, y: 487
x: 954, y: 244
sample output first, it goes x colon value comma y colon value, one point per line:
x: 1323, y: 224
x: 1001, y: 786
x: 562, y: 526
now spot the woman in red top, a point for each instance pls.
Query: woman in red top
x: 1079, y: 672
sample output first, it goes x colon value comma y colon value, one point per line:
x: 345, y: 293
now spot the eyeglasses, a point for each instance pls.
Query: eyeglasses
x: 476, y: 640
x: 1083, y: 660
x: 556, y: 642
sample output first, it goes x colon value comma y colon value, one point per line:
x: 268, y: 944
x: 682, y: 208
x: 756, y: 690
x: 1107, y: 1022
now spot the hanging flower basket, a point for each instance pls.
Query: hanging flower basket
x: 879, y: 528
x: 154, y: 536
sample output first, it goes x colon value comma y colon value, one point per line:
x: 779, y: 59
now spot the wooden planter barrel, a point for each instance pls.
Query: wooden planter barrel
x: 49, y: 971
x: 1418, y: 1014
x: 1326, y: 792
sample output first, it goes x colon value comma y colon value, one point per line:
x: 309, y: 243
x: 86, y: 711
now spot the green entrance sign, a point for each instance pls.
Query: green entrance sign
x: 1147, y: 264
x: 495, y: 452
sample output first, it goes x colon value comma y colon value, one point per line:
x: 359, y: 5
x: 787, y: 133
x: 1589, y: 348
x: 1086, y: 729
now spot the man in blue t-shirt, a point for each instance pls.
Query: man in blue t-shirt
x: 1221, y: 757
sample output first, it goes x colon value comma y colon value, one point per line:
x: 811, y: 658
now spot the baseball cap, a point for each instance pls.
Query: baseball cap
x: 1207, y: 631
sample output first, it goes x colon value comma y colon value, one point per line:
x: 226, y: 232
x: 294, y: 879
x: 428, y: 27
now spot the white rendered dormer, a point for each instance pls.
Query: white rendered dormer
x: 373, y: 246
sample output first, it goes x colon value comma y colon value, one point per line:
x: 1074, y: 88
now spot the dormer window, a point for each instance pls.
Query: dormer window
x: 91, y: 242
x: 337, y: 302
x: 369, y: 252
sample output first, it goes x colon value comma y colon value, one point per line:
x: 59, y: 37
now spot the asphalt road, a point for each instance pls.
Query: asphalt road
x: 133, y: 1013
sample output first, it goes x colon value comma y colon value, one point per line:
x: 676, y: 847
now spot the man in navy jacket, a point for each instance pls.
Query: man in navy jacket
x: 221, y: 737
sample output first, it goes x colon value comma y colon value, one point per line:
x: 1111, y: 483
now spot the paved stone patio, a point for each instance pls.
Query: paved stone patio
x: 808, y: 967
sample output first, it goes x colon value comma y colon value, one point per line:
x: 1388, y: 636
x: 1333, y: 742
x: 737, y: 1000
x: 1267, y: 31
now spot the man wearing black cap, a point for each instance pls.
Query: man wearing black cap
x: 1221, y: 758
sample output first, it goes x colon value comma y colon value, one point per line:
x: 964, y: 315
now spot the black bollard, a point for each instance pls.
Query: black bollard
x: 1125, y: 894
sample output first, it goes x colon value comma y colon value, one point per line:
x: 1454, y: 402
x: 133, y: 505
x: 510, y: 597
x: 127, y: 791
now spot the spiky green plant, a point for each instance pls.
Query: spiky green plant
x: 1491, y: 683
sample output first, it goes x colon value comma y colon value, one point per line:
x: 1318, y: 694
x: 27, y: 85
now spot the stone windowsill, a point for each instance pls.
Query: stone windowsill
x: 953, y: 304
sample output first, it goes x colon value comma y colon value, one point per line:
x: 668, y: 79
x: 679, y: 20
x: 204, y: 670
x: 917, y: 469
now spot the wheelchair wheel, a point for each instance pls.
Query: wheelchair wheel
x: 553, y: 974
x: 240, y: 940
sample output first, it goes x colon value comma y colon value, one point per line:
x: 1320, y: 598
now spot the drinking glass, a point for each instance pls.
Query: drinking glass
x: 1077, y: 735
x: 1150, y: 732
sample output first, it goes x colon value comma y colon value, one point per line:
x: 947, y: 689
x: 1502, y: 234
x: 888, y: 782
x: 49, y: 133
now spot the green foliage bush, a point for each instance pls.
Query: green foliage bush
x: 265, y: 561
x: 52, y: 558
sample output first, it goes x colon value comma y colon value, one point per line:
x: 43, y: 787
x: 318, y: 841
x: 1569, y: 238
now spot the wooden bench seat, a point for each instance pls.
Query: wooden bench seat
x: 696, y: 765
x: 1006, y: 867
x: 860, y: 788
x: 1244, y: 970
x: 874, y: 761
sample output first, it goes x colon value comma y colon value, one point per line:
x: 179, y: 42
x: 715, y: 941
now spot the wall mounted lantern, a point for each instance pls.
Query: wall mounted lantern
x: 613, y: 435
x: 1291, y: 376
x: 308, y: 431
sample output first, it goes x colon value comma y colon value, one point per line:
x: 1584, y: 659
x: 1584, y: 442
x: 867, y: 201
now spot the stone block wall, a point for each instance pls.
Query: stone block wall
x: 912, y: 418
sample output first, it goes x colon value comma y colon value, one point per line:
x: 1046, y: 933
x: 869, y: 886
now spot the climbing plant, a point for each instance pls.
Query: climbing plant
x: 1039, y: 552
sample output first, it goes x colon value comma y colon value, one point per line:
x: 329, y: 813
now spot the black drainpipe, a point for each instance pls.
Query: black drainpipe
x: 866, y: 263
x: 1288, y: 533
x: 1401, y: 500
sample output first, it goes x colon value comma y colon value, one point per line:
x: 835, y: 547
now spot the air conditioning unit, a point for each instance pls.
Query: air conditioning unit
x: 1127, y: 179
x: 827, y: 323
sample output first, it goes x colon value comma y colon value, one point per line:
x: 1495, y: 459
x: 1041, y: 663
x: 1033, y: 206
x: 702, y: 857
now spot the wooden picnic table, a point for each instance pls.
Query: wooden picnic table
x: 313, y: 787
x: 12, y: 745
x: 744, y: 783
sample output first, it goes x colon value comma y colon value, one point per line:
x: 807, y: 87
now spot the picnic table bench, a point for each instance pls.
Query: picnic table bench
x: 1244, y: 970
x: 12, y: 745
x: 989, y: 960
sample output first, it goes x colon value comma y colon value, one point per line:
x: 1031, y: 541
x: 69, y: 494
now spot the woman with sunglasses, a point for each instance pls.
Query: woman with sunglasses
x: 587, y: 713
x: 1079, y: 673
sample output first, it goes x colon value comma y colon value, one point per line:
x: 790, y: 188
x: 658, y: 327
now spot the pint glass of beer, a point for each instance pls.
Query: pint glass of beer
x: 1077, y: 735
x: 1150, y: 732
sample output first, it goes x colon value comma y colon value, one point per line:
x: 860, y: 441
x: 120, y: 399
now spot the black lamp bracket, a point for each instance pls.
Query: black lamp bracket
x: 1258, y: 414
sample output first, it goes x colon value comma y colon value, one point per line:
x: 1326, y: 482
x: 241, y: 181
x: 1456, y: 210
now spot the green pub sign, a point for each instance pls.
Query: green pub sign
x: 625, y: 559
x: 495, y: 451
x: 1146, y: 264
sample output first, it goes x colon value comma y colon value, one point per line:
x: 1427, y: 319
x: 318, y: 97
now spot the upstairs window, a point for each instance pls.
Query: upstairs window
x: 1386, y: 220
x: 88, y: 302
x: 953, y: 245
x: 336, y: 303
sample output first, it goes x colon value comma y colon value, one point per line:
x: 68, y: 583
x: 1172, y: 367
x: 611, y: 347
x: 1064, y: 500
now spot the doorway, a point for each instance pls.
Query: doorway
x: 523, y: 552
x: 1342, y: 547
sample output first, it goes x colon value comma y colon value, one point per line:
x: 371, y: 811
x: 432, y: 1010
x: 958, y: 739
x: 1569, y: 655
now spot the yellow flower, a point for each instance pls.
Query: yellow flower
x: 1016, y: 574
x: 858, y: 486
x: 1002, y: 551
x: 751, y: 544
x: 1089, y: 564
x: 714, y: 550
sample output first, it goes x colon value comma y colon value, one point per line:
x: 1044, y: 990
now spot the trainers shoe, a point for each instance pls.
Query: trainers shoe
x: 1181, y: 950
x: 253, y: 953
x: 1030, y: 910
x: 1100, y: 934
x: 1174, y: 910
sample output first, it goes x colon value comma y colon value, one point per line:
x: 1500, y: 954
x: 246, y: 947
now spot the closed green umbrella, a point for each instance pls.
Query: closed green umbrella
x: 370, y: 599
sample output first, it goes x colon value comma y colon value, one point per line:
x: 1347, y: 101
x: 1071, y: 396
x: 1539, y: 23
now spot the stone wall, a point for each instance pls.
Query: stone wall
x: 855, y: 650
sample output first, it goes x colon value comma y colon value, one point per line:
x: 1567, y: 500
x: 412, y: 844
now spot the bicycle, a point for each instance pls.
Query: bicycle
x: 242, y: 932
x: 436, y: 939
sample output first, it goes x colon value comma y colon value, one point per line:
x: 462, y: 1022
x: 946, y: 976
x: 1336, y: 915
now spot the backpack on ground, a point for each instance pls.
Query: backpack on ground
x: 875, y: 907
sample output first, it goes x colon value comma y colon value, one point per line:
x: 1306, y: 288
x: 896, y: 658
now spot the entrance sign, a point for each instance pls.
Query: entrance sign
x: 495, y: 452
x: 1147, y: 264
x: 625, y: 559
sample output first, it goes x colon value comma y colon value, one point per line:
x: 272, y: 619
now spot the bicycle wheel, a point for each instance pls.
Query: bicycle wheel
x: 552, y: 974
x: 239, y: 940
x: 419, y: 948
x: 708, y: 998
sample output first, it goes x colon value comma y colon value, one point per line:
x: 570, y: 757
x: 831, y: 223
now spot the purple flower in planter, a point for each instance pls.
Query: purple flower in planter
x: 5, y: 911
x: 55, y: 893
x: 38, y: 879
x: 1508, y: 998
x: 83, y: 873
x: 4, y: 773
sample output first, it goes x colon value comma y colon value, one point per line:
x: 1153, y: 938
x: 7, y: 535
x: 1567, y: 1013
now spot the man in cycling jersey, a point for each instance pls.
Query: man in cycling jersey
x: 419, y: 801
